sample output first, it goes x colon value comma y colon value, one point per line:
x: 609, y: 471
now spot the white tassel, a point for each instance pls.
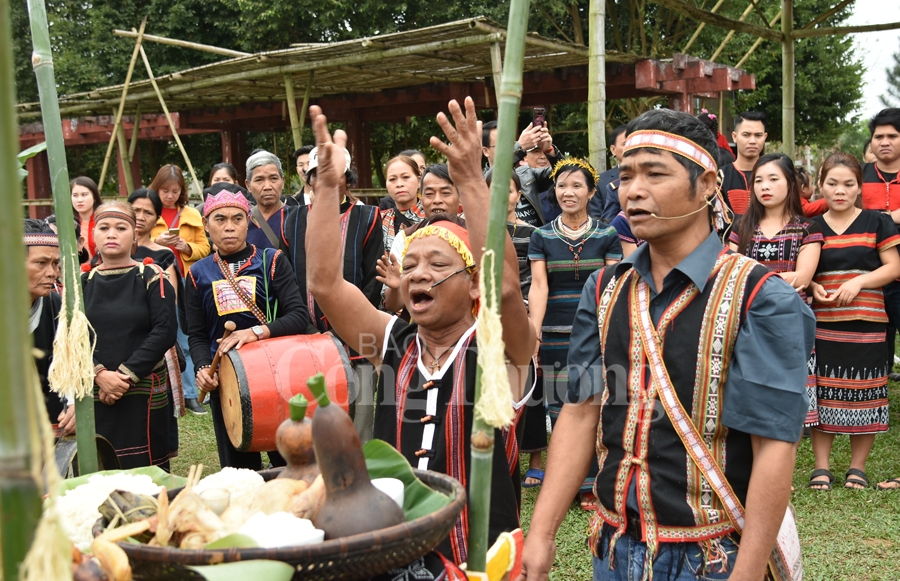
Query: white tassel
x: 71, y: 373
x: 494, y: 406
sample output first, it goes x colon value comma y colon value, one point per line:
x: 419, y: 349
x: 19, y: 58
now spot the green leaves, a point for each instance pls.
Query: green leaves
x: 243, y: 570
x: 233, y: 541
x: 27, y: 154
x: 384, y: 461
x: 157, y: 474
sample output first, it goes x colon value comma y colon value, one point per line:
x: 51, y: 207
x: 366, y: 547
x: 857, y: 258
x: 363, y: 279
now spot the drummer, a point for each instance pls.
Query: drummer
x: 427, y: 366
x: 254, y: 288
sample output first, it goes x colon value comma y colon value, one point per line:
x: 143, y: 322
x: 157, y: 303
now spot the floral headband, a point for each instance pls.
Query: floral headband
x: 577, y: 162
x: 454, y: 234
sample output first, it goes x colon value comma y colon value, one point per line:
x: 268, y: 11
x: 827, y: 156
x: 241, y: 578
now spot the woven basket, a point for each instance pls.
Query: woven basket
x: 354, y: 558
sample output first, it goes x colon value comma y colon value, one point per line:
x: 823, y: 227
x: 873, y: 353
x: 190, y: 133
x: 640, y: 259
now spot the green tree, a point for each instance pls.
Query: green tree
x: 892, y: 98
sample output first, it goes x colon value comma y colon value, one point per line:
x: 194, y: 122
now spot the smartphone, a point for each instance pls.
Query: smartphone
x: 174, y: 231
x: 539, y: 117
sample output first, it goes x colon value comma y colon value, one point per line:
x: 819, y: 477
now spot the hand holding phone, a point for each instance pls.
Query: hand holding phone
x: 538, y: 117
x: 173, y: 232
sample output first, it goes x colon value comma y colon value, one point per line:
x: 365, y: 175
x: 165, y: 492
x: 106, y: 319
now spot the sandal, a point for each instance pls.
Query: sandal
x: 857, y: 477
x: 819, y: 484
x: 535, y: 473
x: 881, y: 485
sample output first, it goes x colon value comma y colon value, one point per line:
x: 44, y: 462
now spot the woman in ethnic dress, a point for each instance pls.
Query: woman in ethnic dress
x: 563, y: 255
x: 85, y: 201
x: 858, y: 258
x: 774, y: 232
x: 131, y: 307
x: 401, y: 175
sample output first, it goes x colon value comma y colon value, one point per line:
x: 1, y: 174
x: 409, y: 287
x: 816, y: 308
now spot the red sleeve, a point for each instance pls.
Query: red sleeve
x: 816, y: 208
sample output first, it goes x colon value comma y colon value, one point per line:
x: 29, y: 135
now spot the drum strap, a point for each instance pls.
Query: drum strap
x: 240, y: 292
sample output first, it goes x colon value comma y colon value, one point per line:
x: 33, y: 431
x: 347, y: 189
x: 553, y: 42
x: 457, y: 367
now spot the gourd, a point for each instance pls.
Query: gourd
x: 352, y: 504
x: 294, y: 441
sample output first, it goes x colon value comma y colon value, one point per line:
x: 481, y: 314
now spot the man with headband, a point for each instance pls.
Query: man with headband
x: 254, y: 288
x: 42, y: 266
x: 683, y: 356
x: 424, y: 405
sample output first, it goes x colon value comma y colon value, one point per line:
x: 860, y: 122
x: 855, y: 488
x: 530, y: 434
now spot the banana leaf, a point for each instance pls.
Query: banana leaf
x: 384, y: 461
x: 160, y: 477
x: 233, y: 541
x: 27, y: 154
x: 243, y: 570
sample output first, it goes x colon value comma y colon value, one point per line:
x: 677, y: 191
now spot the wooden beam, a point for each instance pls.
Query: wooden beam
x: 701, y: 15
x: 828, y: 14
x: 787, y: 78
x: 184, y: 44
x: 701, y: 27
x: 731, y: 33
x: 841, y: 30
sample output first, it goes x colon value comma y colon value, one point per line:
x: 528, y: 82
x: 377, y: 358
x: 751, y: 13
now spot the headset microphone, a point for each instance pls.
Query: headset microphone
x: 700, y: 209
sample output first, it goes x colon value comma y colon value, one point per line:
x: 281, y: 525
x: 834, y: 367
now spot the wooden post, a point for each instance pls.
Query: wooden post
x: 292, y: 110
x: 123, y: 159
x: 198, y: 184
x: 787, y: 77
x: 20, y: 493
x: 305, y: 108
x: 597, y: 85
x: 496, y: 68
x: 112, y: 138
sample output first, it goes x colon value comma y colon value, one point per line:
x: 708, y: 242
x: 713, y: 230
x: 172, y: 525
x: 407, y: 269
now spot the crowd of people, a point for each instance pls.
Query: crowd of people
x: 668, y: 279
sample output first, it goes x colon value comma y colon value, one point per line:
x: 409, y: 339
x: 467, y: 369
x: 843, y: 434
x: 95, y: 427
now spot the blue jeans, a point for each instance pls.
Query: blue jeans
x: 673, y: 562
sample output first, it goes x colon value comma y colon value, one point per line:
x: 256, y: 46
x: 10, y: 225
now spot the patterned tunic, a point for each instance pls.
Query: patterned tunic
x: 393, y: 219
x: 852, y: 363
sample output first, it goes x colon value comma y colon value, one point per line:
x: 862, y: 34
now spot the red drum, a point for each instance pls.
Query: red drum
x: 257, y: 381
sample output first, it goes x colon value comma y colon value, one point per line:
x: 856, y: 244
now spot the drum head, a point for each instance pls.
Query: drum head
x: 234, y: 397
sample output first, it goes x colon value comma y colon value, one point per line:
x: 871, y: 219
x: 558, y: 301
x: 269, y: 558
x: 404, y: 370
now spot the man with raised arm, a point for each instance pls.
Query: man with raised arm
x: 427, y: 368
x: 687, y: 369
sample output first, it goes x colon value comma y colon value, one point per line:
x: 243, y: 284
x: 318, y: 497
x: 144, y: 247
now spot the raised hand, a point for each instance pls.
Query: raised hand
x: 331, y: 156
x: 388, y: 271
x: 463, y: 153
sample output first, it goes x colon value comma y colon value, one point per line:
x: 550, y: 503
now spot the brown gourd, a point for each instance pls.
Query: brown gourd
x: 294, y: 441
x: 352, y: 504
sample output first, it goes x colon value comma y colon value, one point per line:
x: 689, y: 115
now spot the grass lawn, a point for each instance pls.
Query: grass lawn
x: 845, y: 534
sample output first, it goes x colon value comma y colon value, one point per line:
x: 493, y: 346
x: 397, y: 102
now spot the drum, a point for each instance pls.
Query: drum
x: 257, y: 381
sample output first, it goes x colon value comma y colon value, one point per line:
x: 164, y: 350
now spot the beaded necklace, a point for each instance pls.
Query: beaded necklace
x: 567, y: 235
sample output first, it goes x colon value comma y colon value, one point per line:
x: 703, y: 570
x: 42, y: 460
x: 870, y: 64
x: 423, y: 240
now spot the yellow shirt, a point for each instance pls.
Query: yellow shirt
x: 190, y: 228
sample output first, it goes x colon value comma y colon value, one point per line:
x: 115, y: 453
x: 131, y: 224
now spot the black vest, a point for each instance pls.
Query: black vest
x: 638, y: 443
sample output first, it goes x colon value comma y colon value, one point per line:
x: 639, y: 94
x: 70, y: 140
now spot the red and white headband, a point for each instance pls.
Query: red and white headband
x: 670, y: 142
x: 41, y: 239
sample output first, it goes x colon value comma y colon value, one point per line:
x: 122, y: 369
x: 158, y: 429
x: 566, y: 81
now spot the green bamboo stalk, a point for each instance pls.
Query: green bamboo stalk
x: 42, y: 61
x: 20, y: 498
x: 482, y: 434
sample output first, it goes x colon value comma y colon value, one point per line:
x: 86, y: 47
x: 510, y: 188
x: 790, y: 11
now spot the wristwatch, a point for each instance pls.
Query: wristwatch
x: 258, y: 331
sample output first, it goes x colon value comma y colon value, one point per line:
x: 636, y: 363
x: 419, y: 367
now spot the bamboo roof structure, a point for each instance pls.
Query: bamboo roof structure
x: 453, y: 52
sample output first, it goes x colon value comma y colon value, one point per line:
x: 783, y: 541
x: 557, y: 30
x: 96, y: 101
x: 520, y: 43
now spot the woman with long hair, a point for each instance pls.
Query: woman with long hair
x: 401, y: 176
x: 222, y: 172
x: 563, y: 255
x: 180, y: 226
x: 131, y: 308
x: 85, y: 201
x: 147, y: 209
x: 774, y: 232
x: 858, y: 258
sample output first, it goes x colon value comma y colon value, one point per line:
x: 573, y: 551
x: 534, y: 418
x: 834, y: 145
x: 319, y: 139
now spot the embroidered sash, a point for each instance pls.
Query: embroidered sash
x: 238, y: 290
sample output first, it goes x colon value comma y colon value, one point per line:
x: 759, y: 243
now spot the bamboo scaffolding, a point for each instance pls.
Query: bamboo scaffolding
x: 183, y: 44
x: 20, y: 496
x: 162, y: 103
x: 305, y: 108
x: 701, y: 15
x: 42, y: 61
x: 112, y: 137
x: 123, y: 154
x: 497, y: 69
x: 700, y: 27
x: 840, y: 30
x: 756, y: 44
x: 132, y: 147
x: 787, y: 78
x: 826, y: 15
x: 730, y: 34
x: 482, y: 437
x: 597, y: 89
x: 292, y: 110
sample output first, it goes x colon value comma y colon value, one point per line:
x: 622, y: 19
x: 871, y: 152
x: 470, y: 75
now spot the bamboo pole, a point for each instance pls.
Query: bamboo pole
x: 42, y: 61
x: 841, y: 30
x: 682, y: 7
x: 497, y: 69
x: 787, y: 78
x: 123, y: 153
x: 183, y: 44
x: 309, y: 84
x: 730, y: 34
x: 829, y: 14
x: 162, y: 103
x: 112, y: 137
x: 597, y: 86
x: 758, y: 42
x: 700, y: 27
x: 19, y: 493
x: 132, y: 147
x: 482, y: 438
x: 292, y: 110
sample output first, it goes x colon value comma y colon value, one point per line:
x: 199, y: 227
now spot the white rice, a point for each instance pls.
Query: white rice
x: 237, y: 481
x: 78, y: 507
